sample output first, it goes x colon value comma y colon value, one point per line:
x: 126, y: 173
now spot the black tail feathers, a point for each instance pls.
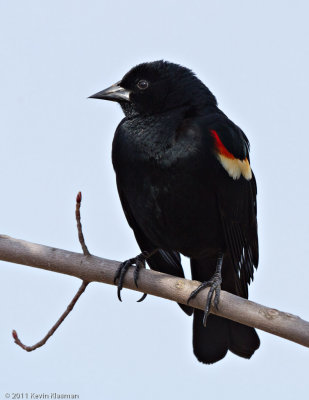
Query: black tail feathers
x: 211, y: 343
x: 243, y: 340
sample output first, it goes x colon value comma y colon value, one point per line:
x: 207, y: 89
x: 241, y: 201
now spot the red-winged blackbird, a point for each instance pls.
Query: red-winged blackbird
x: 186, y: 186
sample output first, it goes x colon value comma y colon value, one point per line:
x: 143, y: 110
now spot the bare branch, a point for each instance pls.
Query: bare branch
x: 75, y: 298
x: 99, y: 269
x: 55, y: 326
x: 79, y: 224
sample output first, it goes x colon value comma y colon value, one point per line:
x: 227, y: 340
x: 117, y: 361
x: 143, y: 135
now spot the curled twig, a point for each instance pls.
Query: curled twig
x: 75, y: 298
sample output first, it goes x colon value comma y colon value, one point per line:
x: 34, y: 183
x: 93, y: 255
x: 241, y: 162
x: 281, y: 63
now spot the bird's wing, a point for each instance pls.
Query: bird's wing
x: 168, y: 262
x: 236, y: 196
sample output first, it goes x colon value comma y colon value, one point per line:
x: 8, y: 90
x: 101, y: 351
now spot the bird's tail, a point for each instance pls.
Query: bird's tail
x: 211, y: 343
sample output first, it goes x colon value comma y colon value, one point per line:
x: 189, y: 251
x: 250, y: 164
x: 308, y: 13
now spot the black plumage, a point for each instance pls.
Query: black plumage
x: 186, y: 186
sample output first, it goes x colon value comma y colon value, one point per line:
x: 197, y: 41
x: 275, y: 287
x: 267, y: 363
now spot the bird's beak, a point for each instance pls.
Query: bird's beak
x: 113, y: 93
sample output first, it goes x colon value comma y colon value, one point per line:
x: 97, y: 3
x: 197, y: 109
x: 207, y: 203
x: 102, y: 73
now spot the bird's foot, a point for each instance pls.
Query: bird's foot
x: 215, y: 288
x: 138, y: 262
x: 214, y: 285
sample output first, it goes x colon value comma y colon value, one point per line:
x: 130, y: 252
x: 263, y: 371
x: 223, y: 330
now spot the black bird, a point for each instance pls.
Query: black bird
x: 186, y: 186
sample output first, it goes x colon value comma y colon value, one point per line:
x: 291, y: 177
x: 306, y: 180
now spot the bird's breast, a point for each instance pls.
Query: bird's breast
x: 169, y: 191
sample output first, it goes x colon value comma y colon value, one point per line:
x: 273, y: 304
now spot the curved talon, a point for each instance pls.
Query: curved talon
x: 123, y: 270
x: 142, y: 298
x: 136, y: 277
x: 139, y: 263
x: 117, y: 273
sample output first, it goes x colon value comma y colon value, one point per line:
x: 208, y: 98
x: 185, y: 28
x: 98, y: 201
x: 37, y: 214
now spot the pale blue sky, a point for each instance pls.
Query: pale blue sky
x: 254, y: 56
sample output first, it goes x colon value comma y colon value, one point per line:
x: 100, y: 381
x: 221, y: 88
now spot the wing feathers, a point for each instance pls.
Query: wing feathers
x: 241, y: 254
x: 236, y: 166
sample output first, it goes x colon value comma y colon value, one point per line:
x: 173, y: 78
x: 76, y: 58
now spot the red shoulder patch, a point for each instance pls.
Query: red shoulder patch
x: 233, y: 166
x: 220, y: 146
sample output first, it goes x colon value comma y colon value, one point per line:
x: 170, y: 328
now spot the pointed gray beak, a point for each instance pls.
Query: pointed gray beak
x: 113, y: 93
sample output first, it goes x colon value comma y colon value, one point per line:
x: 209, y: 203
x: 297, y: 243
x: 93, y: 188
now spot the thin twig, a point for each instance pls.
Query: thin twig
x: 75, y: 298
x: 55, y: 326
x: 79, y: 224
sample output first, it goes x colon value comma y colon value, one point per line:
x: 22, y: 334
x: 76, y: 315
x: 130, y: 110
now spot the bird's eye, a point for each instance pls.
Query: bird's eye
x: 142, y: 84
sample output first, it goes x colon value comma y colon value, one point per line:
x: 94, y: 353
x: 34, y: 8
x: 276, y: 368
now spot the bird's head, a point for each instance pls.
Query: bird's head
x: 156, y: 87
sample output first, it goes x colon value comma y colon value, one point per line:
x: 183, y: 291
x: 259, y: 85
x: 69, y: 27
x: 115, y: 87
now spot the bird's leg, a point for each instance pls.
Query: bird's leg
x: 215, y: 288
x: 139, y: 262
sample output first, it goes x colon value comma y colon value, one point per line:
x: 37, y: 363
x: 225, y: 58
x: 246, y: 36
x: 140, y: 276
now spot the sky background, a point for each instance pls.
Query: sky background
x: 253, y: 55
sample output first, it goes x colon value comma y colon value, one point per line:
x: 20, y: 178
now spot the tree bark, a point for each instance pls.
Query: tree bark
x: 95, y: 269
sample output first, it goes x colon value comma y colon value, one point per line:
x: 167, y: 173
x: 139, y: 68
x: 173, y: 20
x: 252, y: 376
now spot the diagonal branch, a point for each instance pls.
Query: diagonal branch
x: 169, y: 287
x: 54, y: 327
x: 75, y: 298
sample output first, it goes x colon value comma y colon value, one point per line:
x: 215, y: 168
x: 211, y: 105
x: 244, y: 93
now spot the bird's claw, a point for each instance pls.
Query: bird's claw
x: 214, y: 285
x: 138, y: 262
x: 142, y: 298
